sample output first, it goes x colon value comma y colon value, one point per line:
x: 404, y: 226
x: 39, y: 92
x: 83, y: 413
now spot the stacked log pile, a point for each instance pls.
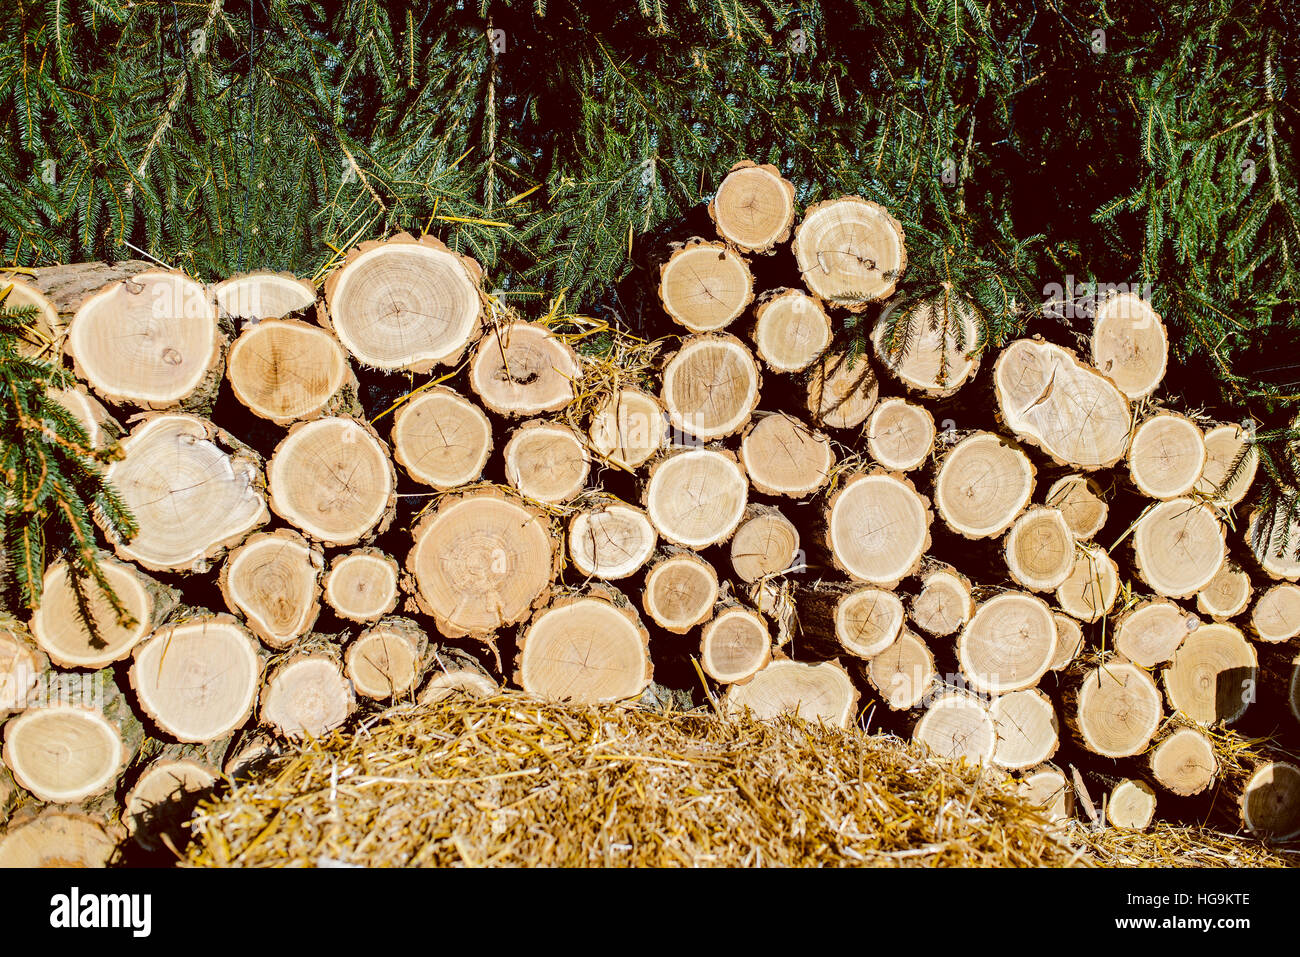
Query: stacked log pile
x: 396, y: 489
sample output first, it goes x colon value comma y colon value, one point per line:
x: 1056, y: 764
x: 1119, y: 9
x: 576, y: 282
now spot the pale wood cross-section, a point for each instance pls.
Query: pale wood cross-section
x: 1276, y: 615
x: 900, y: 434
x: 272, y: 580
x: 1040, y: 549
x: 1129, y: 344
x: 850, y: 251
x: 441, y: 438
x: 696, y: 497
x: 1150, y: 632
x: 64, y: 753
x: 285, y: 369
x: 710, y: 386
x: 734, y: 645
x: 957, y: 726
x: 1116, y: 709
x: 1178, y: 547
x: 1231, y: 462
x: 546, y: 461
x: 904, y: 673
x: 1131, y: 805
x: 1080, y: 500
x: 611, y: 540
x: 387, y: 660
x: 523, y: 369
x: 306, y: 697
x: 766, y: 543
x: 1092, y: 586
x: 944, y: 602
x: 933, y: 348
x: 842, y: 390
x: 1213, y: 675
x: 628, y: 428
x: 261, y: 295
x: 705, y: 286
x: 1026, y: 727
x: 680, y: 590
x: 1182, y: 760
x: 754, y: 207
x: 783, y: 456
x: 791, y: 329
x: 1166, y: 455
x: 57, y: 839
x: 362, y: 585
x: 878, y: 528
x: 983, y: 483
x: 815, y: 692
x: 1227, y: 595
x: 1008, y: 644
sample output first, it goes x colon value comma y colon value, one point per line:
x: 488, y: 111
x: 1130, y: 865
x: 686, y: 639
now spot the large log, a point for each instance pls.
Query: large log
x: 814, y: 692
x: 1213, y: 676
x: 982, y: 485
x: 57, y: 838
x: 546, y: 461
x: 932, y: 348
x: 735, y: 644
x: 850, y: 251
x: 878, y: 528
x: 1178, y: 547
x: 754, y: 207
x: 696, y: 497
x: 1166, y: 455
x: 783, y: 456
x: 523, y: 369
x: 1129, y: 344
x: 1114, y: 709
x: 1149, y: 632
x: 1182, y: 760
x: 710, y: 386
x: 441, y: 438
x: 1008, y: 644
x: 705, y: 286
x: 791, y: 329
x: 286, y: 369
x: 272, y: 581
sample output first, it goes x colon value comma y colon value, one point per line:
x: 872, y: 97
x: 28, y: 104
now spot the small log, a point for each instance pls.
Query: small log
x: 754, y: 207
x: 710, y: 386
x: 850, y: 251
x: 628, y: 428
x: 1182, y: 760
x: 1151, y: 631
x: 585, y: 648
x: 735, y: 644
x: 405, y: 303
x: 1166, y: 455
x: 441, y: 438
x: 696, y: 497
x: 1026, y: 728
x: 1008, y: 644
x: 272, y: 581
x: 307, y: 695
x: 1178, y: 547
x: 1231, y: 461
x: 1046, y: 787
x: 1212, y: 677
x: 1069, y: 641
x: 362, y: 585
x: 933, y: 349
x: 1131, y: 805
x: 1262, y: 796
x: 819, y: 692
x: 842, y: 390
x: 1051, y: 400
x: 903, y: 674
x: 21, y: 665
x: 791, y: 329
x: 546, y: 461
x: 43, y: 337
x: 1276, y: 615
x: 680, y: 590
x: 101, y: 428
x: 982, y: 484
x: 1129, y: 344
x: 611, y: 540
x: 705, y: 286
x: 878, y: 528
x: 859, y: 619
x: 523, y: 369
x: 387, y: 660
x: 1080, y: 500
x: 783, y: 456
x: 1090, y: 591
x: 197, y: 679
x: 1040, y: 549
x: 163, y: 797
x: 453, y: 672
x: 1114, y: 709
x: 194, y: 492
x: 944, y: 602
x: 1227, y: 595
x: 766, y: 543
x: 480, y: 562
x: 261, y: 295
x: 285, y: 370
x: 56, y: 838
x: 900, y: 434
x: 957, y: 726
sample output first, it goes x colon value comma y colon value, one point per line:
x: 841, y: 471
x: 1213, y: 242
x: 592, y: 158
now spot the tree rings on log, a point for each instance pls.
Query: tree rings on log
x: 1131, y: 805
x: 387, y: 659
x: 705, y: 286
x: 903, y: 673
x: 1213, y: 675
x: 1069, y: 641
x: 164, y: 796
x: 405, y: 304
x: 944, y: 602
x: 284, y: 370
x: 842, y: 390
x: 43, y: 338
x: 1046, y: 788
x: 696, y: 497
x: 611, y: 540
x: 456, y: 673
x: 1129, y: 344
x: 628, y: 428
x: 900, y: 434
x: 983, y: 483
x: 1080, y: 500
x: 710, y: 386
x: 306, y: 697
x: 101, y: 428
x: 362, y: 585
x: 818, y: 693
x: 1228, y: 593
x: 1179, y: 547
x: 1270, y: 801
x: 64, y: 753
x: 1117, y: 709
x: 21, y: 665
x: 1230, y: 465
x: 258, y: 296
x: 57, y: 839
x: 333, y: 479
x: 190, y: 497
x: 273, y: 582
x: 1276, y: 615
x: 1182, y: 761
x: 783, y: 456
x: 868, y: 621
x: 546, y: 462
x: 878, y: 528
x: 754, y: 207
x: 850, y: 251
x: 1092, y: 586
x: 1149, y: 633
x: 766, y: 543
x: 734, y: 645
x: 441, y: 438
x: 680, y: 591
x: 1272, y: 540
x: 1026, y: 727
x: 932, y: 348
x: 1009, y: 643
x: 957, y: 726
x: 791, y: 329
x: 523, y: 369
x: 1040, y: 549
x: 1166, y: 455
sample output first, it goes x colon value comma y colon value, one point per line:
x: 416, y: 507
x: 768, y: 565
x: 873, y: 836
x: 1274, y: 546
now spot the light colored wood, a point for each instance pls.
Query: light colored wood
x: 546, y: 462
x: 900, y: 434
x: 1131, y: 805
x: 1051, y: 400
x: 285, y: 370
x: 628, y: 428
x: 272, y: 581
x: 1045, y: 787
x: 1227, y: 454
x: 57, y: 839
x: 1129, y: 344
x: 1080, y: 500
x: 819, y: 692
x: 1182, y: 760
x: 859, y: 619
x: 734, y: 645
x: 192, y: 490
x: 1150, y: 632
x: 783, y: 456
x: 101, y: 428
x: 165, y: 792
x: 65, y: 753
x: 957, y: 726
x: 1266, y: 799
x: 850, y: 252
x: 1178, y: 547
x: 710, y: 386
x: 261, y: 295
x: 680, y: 590
x: 944, y: 602
x: 1026, y: 728
x: 878, y: 528
x: 332, y: 479
x: 43, y: 336
x: 791, y: 329
x: 1166, y: 455
x: 441, y: 438
x: 454, y: 673
x: 904, y: 673
x: 405, y: 303
x: 1212, y: 677
x: 1276, y: 615
x: 842, y: 390
x: 21, y: 667
x: 387, y: 660
x: 753, y: 208
x: 362, y: 585
x: 1274, y: 542
x: 696, y: 497
x: 306, y: 697
x: 611, y: 540
x: 1008, y: 644
x: 1227, y: 595
x: 523, y: 369
x: 1040, y: 549
x: 931, y: 348
x: 983, y: 483
x: 766, y: 543
x: 1115, y: 709
x: 1069, y: 641
x: 1093, y: 585
x: 705, y: 286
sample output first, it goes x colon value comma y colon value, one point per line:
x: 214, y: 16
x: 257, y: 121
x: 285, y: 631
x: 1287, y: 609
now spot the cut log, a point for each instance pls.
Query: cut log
x: 931, y: 348
x: 1212, y: 678
x: 1046, y: 788
x: 1080, y: 500
x: 1273, y: 542
x: 859, y: 619
x: 1114, y: 709
x: 1008, y: 644
x: 1150, y: 632
x: 1069, y: 641
x: 192, y: 489
x: 585, y: 648
x: 441, y: 438
x: 164, y: 796
x: 1262, y: 796
x: 819, y: 692
x: 842, y: 390
x: 754, y: 207
x: 57, y: 839
x: 387, y: 660
x: 1129, y: 344
x: 405, y: 304
x: 783, y: 456
x: 710, y: 386
x: 43, y: 336
x: 1230, y: 465
x: 257, y: 296
x: 850, y: 251
x: 1182, y: 760
x: 1066, y: 408
x: 21, y: 666
x: 735, y: 644
x: 1040, y: 549
x: 696, y: 497
x: 611, y: 540
x: 878, y: 528
x: 904, y: 673
x: 900, y: 434
x: 766, y: 543
x: 957, y: 726
x: 680, y: 590
x: 1131, y: 805
x: 332, y: 479
x: 272, y: 581
x: 1026, y: 728
x: 1093, y: 585
x: 944, y: 602
x: 362, y: 585
x: 1276, y: 615
x: 1166, y: 455
x: 197, y: 680
x: 285, y: 370
x: 546, y: 462
x: 456, y: 673
x: 150, y: 341
x: 628, y: 428
x: 1227, y: 595
x: 60, y: 630
x: 307, y: 696
x: 791, y: 329
x: 480, y: 562
x: 101, y: 428
x: 982, y: 484
x: 1178, y: 547
x: 523, y: 369
x: 705, y: 286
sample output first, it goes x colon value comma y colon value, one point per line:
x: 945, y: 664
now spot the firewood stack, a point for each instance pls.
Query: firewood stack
x: 1047, y: 576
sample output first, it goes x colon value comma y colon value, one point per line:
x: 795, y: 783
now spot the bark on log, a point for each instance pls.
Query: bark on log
x: 932, y: 349
x: 1263, y: 796
x: 1212, y: 677
x: 791, y: 329
x: 861, y: 620
x: 900, y: 434
x: 453, y: 672
x: 815, y: 692
x: 362, y: 585
x: 754, y: 207
x: 696, y: 497
x: 441, y: 438
x: 546, y: 462
x: 850, y: 251
x: 680, y: 590
x: 783, y: 456
x: 523, y: 369
x: 705, y: 286
x: 1166, y: 455
x: 1129, y: 344
x: 710, y: 386
x: 285, y: 370
x: 272, y: 581
x: 611, y: 540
